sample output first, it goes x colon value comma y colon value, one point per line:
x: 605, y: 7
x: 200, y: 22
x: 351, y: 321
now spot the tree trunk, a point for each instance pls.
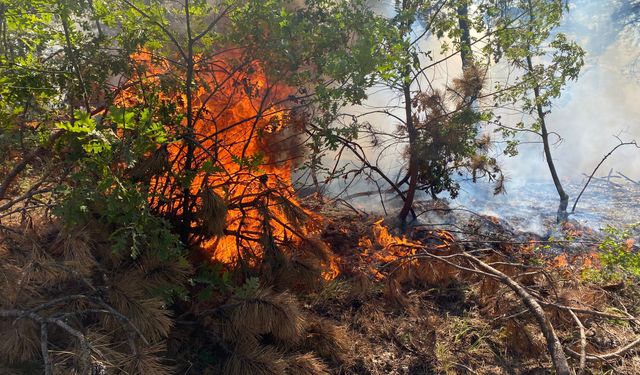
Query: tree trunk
x: 564, y: 197
x: 413, y: 158
x: 465, y: 38
x: 411, y: 130
x: 189, y: 134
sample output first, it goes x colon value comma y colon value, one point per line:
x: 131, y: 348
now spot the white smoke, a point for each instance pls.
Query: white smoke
x: 603, y: 102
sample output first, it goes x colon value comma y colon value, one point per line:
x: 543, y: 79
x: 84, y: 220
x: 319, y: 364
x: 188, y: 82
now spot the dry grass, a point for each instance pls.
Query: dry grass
x: 306, y: 364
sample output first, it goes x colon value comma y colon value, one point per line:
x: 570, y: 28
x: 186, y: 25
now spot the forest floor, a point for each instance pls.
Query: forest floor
x: 416, y: 315
x: 422, y: 302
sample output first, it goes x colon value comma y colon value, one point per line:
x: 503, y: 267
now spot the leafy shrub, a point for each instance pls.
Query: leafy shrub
x: 619, y: 259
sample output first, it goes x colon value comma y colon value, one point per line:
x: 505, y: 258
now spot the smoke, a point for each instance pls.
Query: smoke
x: 601, y: 104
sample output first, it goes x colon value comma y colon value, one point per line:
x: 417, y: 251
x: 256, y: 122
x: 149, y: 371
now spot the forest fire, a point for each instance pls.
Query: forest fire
x: 318, y: 187
x: 379, y: 250
x: 244, y: 200
x: 240, y: 168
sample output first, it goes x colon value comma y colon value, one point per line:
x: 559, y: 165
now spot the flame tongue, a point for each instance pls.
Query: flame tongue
x: 385, y: 239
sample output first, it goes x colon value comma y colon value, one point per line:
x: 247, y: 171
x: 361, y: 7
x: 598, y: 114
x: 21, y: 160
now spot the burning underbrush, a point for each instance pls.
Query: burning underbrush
x: 356, y: 298
x: 225, y: 176
x: 435, y: 301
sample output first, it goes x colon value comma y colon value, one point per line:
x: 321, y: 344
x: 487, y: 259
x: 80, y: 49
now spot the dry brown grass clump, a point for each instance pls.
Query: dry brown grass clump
x: 300, y: 267
x: 212, y: 213
x: 264, y: 312
x: 254, y: 359
x: 306, y: 364
x: 328, y: 340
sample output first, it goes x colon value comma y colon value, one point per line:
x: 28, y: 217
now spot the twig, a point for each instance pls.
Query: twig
x: 84, y: 344
x: 44, y: 348
x: 583, y: 343
x: 554, y: 346
x: 611, y: 355
x: 122, y: 318
x: 627, y: 178
x: 606, y: 179
x: 589, y: 312
x: 573, y: 209
x: 59, y: 320
x: 467, y: 368
x: 18, y: 168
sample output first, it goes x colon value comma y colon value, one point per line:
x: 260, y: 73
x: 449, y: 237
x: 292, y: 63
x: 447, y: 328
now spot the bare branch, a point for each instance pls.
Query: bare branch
x: 573, y: 209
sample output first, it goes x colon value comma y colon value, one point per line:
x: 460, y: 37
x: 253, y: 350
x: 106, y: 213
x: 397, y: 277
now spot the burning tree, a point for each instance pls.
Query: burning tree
x: 231, y: 117
x: 204, y: 122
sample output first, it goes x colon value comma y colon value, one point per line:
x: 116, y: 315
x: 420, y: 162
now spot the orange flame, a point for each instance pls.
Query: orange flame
x: 237, y: 116
x: 384, y: 247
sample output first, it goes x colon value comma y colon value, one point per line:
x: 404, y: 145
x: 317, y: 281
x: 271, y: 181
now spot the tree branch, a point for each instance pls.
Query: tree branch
x: 573, y: 209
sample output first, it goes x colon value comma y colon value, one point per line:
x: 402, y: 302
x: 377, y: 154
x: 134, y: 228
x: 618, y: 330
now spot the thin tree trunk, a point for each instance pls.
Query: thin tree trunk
x: 413, y: 158
x: 186, y: 191
x: 564, y: 197
x: 465, y: 39
x: 64, y: 17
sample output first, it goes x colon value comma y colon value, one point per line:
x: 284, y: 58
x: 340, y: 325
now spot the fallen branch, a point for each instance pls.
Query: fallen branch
x: 554, y: 346
x: 589, y: 312
x: 533, y: 305
x: 553, y: 343
x: 533, y: 302
x: 628, y: 178
x: 43, y: 321
x: 608, y: 356
x: 606, y: 179
x: 60, y: 321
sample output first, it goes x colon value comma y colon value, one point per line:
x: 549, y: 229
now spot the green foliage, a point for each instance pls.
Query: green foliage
x: 212, y: 278
x: 619, y: 260
x: 548, y: 60
x: 249, y: 289
x: 446, y: 143
x: 441, y: 125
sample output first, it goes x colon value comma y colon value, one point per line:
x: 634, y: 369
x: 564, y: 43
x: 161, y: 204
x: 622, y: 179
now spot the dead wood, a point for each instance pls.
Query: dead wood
x: 616, y: 354
x: 583, y: 343
x: 634, y: 143
x: 553, y: 343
